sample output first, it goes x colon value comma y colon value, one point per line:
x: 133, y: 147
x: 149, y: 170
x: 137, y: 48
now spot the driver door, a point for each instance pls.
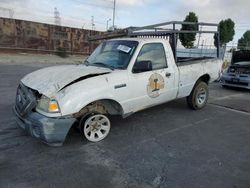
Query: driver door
x: 155, y: 86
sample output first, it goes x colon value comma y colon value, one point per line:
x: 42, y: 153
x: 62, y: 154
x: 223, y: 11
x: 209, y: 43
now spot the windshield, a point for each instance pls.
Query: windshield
x: 113, y: 54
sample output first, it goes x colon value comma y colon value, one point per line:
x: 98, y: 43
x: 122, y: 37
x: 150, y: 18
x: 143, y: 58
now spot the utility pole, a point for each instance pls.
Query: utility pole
x: 92, y: 22
x: 114, y: 14
x: 108, y: 24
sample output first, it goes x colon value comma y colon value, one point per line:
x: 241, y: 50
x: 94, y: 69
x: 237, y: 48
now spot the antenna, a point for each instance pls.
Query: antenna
x: 57, y: 17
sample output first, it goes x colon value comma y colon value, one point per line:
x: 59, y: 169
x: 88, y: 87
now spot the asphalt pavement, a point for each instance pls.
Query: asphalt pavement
x: 165, y: 146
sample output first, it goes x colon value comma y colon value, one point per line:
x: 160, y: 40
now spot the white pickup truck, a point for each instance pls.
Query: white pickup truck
x: 121, y: 77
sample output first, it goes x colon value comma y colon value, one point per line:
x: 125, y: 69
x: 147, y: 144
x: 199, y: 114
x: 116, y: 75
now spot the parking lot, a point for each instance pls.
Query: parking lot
x: 165, y: 146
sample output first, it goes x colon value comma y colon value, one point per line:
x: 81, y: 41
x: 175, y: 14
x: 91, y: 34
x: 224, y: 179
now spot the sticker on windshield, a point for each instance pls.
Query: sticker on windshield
x: 124, y: 48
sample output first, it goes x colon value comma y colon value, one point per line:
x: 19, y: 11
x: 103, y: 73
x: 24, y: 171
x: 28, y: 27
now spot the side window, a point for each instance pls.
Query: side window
x: 155, y: 53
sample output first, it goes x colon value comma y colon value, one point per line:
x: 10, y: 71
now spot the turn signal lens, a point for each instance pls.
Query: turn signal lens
x: 53, y: 106
x: 46, y: 104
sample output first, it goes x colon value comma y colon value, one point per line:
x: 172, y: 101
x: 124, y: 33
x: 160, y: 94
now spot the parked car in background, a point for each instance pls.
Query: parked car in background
x: 238, y: 73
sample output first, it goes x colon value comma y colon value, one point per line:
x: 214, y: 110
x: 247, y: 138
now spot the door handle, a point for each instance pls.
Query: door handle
x: 168, y: 74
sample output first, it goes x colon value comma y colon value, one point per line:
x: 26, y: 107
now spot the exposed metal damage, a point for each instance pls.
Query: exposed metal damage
x: 82, y: 78
x: 102, y: 107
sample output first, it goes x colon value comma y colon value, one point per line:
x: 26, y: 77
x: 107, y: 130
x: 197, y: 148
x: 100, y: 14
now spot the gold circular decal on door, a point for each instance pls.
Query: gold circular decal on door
x: 156, y: 83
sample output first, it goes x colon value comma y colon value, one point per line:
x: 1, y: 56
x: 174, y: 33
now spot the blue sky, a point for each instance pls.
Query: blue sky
x: 77, y: 13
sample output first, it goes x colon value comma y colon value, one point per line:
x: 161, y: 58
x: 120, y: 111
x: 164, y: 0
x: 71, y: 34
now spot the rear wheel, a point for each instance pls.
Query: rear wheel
x: 199, y: 96
x: 95, y: 127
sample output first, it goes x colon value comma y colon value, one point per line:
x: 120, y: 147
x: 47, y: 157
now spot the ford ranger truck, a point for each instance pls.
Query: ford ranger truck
x: 121, y: 77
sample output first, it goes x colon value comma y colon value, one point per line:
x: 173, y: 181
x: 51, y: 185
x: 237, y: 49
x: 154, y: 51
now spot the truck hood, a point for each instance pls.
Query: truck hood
x: 48, y: 81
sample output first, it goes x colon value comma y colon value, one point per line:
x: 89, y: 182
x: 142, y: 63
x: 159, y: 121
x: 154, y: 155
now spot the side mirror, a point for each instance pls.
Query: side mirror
x: 142, y: 66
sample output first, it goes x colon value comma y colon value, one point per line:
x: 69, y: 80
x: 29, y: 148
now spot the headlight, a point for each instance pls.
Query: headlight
x: 48, y: 105
x: 231, y: 69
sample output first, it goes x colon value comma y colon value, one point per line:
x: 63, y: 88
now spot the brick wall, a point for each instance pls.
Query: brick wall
x: 39, y: 37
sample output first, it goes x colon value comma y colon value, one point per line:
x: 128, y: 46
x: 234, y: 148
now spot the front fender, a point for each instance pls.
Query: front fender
x: 77, y: 96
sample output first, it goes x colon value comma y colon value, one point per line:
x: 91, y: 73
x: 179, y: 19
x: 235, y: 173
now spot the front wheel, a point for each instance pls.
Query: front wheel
x: 199, y: 96
x: 95, y: 127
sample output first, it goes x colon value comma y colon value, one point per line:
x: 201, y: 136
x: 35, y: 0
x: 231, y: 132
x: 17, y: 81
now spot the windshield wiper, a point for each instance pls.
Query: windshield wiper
x: 104, y: 65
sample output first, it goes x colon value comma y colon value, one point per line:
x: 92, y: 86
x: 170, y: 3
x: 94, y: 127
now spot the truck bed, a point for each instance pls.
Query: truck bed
x: 191, y: 71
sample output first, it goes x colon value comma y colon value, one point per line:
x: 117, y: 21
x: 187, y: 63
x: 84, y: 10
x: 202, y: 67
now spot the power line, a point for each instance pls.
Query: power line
x: 93, y: 4
x: 67, y: 16
x: 104, y: 4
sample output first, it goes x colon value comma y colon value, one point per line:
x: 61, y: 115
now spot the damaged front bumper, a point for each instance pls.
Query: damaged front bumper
x: 52, y: 131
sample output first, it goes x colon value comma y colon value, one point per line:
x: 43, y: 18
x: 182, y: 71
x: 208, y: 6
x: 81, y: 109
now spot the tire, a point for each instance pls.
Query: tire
x: 199, y: 96
x: 95, y: 127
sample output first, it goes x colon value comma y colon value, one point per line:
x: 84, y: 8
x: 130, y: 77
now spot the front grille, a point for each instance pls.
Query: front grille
x: 239, y: 70
x: 25, y: 100
x: 243, y: 71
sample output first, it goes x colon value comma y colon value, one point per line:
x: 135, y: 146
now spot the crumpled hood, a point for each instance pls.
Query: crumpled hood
x: 50, y: 80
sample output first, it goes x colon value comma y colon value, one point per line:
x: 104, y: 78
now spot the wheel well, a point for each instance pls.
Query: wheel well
x: 104, y: 106
x: 205, y: 78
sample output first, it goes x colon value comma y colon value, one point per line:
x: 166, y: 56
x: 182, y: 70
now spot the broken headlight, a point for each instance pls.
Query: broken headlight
x: 48, y: 105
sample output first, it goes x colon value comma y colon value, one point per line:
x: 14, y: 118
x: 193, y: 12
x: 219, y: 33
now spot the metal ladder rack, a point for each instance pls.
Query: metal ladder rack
x: 161, y: 31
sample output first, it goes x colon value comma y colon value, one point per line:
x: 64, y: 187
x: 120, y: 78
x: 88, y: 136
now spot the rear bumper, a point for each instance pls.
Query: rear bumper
x: 243, y: 82
x: 52, y: 131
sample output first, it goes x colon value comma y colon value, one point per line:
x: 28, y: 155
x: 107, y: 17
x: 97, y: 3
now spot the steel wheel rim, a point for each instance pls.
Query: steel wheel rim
x: 201, y: 96
x: 96, y: 127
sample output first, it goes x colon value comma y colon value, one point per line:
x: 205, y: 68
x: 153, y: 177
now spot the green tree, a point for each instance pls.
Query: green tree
x: 187, y: 39
x: 244, y: 41
x: 226, y: 29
